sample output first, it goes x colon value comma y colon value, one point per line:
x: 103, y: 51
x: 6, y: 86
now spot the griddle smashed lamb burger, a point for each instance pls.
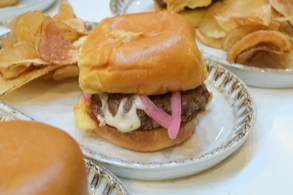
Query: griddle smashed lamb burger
x: 142, y: 76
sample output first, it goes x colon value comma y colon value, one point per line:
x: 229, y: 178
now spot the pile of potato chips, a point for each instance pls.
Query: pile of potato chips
x: 39, y: 45
x: 247, y: 28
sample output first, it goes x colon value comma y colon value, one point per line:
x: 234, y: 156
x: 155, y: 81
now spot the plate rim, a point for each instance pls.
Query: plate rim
x: 169, y: 164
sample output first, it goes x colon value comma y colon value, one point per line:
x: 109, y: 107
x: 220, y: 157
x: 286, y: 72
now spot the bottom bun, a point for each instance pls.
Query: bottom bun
x: 138, y: 140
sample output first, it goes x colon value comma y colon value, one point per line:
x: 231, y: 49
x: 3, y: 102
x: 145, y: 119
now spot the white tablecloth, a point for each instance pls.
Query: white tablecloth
x: 263, y: 165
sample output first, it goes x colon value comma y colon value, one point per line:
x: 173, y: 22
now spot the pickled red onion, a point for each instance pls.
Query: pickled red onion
x: 172, y: 123
x: 155, y: 113
x: 87, y: 97
x: 176, y: 115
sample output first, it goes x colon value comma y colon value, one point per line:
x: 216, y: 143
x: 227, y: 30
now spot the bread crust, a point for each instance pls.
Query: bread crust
x: 120, y: 55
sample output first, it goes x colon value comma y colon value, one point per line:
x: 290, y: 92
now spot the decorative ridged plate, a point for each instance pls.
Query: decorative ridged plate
x: 100, y: 180
x: 252, y: 76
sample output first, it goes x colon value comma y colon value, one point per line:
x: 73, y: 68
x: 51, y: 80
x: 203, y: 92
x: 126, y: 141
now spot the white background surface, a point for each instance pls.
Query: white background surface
x: 263, y: 165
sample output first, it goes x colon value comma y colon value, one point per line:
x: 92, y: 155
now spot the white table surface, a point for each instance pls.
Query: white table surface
x: 263, y: 165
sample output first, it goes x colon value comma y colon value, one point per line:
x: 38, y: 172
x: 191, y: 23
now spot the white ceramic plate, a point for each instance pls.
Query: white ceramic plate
x: 23, y: 6
x: 221, y: 129
x: 100, y: 180
x: 252, y: 76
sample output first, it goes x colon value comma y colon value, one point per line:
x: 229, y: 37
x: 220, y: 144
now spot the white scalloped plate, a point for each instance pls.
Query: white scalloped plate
x: 252, y: 76
x: 223, y: 128
x: 23, y: 6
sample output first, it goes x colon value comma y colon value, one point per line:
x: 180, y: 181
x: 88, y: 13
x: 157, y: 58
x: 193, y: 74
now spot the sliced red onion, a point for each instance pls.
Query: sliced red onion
x: 176, y: 115
x: 87, y: 97
x: 172, y: 123
x: 155, y: 113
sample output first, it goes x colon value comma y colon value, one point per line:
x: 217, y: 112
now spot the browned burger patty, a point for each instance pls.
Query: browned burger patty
x: 192, y: 103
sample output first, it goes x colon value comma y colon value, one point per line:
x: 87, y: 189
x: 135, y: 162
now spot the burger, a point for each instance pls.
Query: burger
x: 192, y: 10
x: 39, y: 159
x: 142, y: 77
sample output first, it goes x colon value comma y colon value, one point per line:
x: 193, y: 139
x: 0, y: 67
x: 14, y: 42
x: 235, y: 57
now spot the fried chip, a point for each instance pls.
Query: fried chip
x: 9, y: 40
x: 8, y: 85
x: 65, y: 11
x: 243, y: 12
x: 176, y: 6
x: 286, y: 28
x: 77, y: 24
x: 25, y: 34
x: 66, y: 72
x: 13, y: 72
x: 262, y: 40
x: 209, y: 26
x: 209, y: 41
x: 69, y: 33
x: 9, y: 23
x: 32, y: 19
x: 236, y: 34
x: 284, y: 59
x: 259, y: 59
x: 194, y: 16
x: 78, y: 43
x: 52, y: 46
x: 22, y: 53
x: 285, y: 7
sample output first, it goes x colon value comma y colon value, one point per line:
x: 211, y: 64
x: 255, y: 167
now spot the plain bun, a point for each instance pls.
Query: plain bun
x: 37, y: 159
x: 138, y: 140
x: 145, y: 53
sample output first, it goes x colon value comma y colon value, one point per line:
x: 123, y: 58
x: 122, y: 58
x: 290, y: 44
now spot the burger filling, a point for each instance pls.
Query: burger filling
x: 126, y: 111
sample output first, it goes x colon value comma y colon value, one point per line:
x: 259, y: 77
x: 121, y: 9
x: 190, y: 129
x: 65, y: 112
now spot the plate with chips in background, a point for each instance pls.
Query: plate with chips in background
x: 9, y: 8
x: 252, y: 38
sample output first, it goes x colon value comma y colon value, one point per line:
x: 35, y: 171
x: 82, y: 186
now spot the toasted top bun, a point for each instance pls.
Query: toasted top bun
x: 179, y: 5
x: 39, y: 159
x: 145, y: 53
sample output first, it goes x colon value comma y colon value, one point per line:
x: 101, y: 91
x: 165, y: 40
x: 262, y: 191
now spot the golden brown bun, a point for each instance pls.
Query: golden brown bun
x: 145, y: 53
x: 138, y: 140
x: 179, y: 5
x: 37, y: 159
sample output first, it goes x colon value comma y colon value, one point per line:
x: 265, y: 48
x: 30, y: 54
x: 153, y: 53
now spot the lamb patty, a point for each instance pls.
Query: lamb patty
x: 192, y: 102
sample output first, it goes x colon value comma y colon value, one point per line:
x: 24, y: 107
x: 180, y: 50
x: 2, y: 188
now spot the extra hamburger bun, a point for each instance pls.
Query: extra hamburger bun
x: 37, y: 159
x: 145, y: 53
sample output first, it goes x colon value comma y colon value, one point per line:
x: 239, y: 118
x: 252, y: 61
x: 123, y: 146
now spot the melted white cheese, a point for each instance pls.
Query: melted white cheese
x: 124, y: 122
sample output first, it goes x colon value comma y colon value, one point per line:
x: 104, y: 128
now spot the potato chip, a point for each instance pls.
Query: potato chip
x: 244, y: 12
x: 209, y: 41
x: 262, y: 40
x: 284, y: 59
x: 52, y: 46
x: 77, y: 24
x: 259, y: 59
x: 285, y: 7
x: 9, y: 40
x: 209, y: 26
x: 65, y: 11
x: 14, y: 72
x: 286, y: 28
x: 236, y: 34
x: 32, y: 19
x: 25, y: 34
x: 66, y: 72
x: 69, y: 33
x: 78, y: 43
x: 8, y: 85
x: 22, y: 53
x: 194, y: 16
x: 176, y: 6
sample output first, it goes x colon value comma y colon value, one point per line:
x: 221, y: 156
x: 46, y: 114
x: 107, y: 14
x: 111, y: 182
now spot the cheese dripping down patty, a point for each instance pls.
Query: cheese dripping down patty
x: 124, y: 122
